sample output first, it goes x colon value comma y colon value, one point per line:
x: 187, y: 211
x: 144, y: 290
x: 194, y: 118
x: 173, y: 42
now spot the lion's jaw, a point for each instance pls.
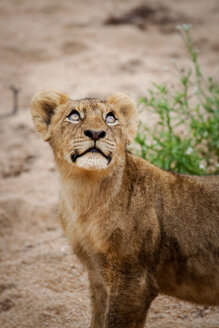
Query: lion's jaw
x: 88, y: 155
x: 98, y: 155
x: 92, y: 161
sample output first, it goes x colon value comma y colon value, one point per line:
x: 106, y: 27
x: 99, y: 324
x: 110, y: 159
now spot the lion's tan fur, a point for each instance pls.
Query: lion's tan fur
x: 139, y: 230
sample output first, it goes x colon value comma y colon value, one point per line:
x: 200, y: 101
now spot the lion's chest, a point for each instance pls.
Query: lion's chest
x: 87, y: 230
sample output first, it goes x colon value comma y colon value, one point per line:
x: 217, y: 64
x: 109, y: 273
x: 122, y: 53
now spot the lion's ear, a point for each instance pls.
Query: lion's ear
x: 43, y: 106
x: 126, y: 106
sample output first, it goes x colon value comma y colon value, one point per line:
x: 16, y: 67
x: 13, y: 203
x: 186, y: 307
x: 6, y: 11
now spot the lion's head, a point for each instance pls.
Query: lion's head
x: 87, y: 134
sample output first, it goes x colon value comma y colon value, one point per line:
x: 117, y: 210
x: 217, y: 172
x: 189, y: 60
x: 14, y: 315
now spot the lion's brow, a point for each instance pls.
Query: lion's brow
x: 92, y: 99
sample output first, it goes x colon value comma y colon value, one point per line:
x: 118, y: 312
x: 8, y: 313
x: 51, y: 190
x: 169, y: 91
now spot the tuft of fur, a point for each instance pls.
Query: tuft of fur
x: 138, y: 230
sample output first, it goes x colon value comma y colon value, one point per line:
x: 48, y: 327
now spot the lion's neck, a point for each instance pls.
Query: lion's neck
x: 84, y: 195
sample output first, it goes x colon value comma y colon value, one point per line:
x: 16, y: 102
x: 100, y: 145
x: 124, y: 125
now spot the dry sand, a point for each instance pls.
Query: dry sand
x: 67, y: 45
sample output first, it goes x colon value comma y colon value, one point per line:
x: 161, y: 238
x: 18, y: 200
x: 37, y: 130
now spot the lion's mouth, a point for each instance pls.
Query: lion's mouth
x: 94, y: 149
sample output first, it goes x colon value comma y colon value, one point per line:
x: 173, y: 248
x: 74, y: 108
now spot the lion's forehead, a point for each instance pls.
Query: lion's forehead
x: 88, y: 105
x: 91, y: 107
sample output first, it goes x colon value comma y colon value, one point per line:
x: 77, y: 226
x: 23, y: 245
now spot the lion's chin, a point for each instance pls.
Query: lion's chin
x: 92, y: 161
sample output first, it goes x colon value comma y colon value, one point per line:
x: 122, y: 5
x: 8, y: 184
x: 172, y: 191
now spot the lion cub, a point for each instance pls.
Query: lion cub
x: 138, y: 230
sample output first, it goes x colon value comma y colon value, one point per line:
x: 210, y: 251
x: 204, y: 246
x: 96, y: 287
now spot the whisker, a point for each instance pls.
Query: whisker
x: 110, y: 146
x: 79, y: 138
x: 109, y: 142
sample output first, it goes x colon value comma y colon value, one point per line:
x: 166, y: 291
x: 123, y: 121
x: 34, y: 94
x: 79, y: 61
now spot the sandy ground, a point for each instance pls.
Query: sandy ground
x: 71, y: 45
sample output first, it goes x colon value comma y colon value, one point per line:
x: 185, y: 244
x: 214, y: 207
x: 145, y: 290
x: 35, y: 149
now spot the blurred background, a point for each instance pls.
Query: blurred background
x: 86, y: 49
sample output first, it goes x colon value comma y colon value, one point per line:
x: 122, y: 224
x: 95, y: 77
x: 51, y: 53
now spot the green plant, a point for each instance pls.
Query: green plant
x: 185, y: 138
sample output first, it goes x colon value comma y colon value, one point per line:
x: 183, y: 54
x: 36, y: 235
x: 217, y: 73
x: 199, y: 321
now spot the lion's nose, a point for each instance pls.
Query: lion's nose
x: 95, y: 135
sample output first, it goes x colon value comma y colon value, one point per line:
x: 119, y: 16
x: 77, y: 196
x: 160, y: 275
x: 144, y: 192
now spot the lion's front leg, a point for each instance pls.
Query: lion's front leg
x: 98, y: 301
x: 129, y: 300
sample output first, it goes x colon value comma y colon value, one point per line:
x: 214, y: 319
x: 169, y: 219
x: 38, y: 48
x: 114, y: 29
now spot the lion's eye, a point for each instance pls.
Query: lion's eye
x: 74, y: 116
x: 110, y: 118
